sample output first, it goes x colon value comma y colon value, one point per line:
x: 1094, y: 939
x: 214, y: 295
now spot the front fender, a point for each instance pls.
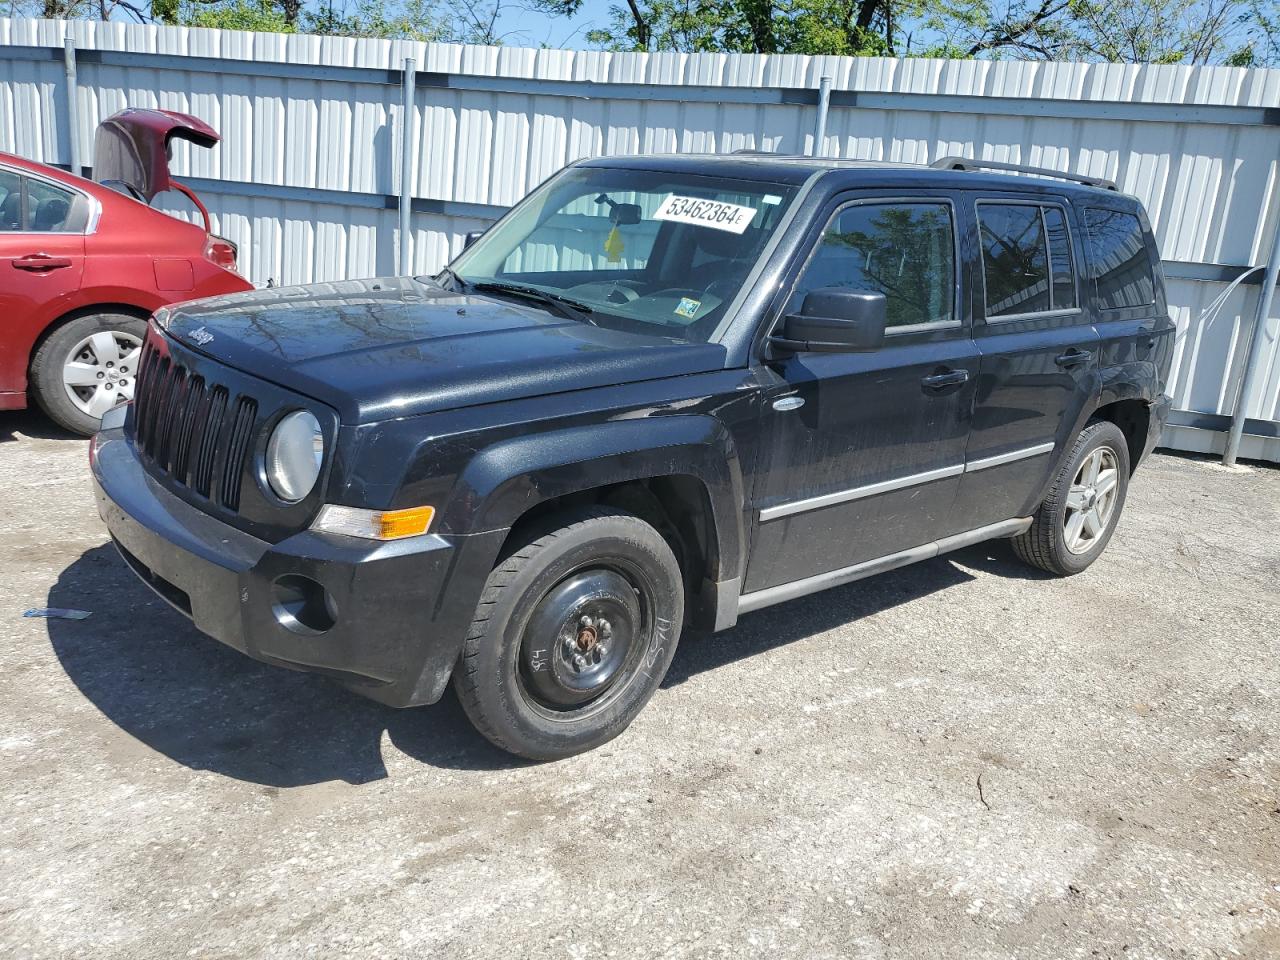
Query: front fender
x: 505, y: 480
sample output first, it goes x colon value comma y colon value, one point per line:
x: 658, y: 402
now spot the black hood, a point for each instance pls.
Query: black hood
x: 374, y: 349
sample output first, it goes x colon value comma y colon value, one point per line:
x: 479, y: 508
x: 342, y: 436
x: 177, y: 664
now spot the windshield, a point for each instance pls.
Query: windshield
x: 632, y: 250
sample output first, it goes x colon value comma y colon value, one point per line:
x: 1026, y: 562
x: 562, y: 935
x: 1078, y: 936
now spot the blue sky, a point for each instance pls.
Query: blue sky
x: 526, y: 28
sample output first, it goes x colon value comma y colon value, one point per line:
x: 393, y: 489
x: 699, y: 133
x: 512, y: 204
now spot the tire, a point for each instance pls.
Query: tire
x: 1074, y: 523
x: 574, y: 631
x: 103, y: 381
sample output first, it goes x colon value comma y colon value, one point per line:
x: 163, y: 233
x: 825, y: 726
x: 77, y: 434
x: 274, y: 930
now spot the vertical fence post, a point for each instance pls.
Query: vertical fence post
x: 407, y: 164
x: 73, y: 103
x: 1253, y: 351
x: 820, y: 127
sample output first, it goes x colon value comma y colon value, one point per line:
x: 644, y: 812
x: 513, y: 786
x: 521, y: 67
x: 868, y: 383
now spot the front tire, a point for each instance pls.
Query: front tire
x: 1074, y: 523
x: 86, y: 367
x: 573, y: 634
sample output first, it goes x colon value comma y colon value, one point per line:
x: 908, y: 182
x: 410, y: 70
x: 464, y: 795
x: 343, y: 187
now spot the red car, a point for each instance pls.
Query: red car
x: 83, y: 264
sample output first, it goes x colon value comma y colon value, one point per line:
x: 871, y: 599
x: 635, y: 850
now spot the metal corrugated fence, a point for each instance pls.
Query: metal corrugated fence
x: 307, y: 177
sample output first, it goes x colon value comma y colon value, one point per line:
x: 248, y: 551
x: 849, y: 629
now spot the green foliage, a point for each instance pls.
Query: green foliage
x: 237, y: 15
x: 414, y: 20
x: 1239, y: 32
x: 1242, y: 33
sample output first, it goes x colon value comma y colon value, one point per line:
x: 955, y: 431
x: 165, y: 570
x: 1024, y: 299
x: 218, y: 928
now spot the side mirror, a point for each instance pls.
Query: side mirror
x: 835, y: 320
x: 471, y: 237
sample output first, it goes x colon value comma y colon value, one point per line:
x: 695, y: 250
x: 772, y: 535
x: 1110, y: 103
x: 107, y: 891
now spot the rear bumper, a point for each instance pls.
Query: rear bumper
x: 1159, y: 413
x: 399, y: 610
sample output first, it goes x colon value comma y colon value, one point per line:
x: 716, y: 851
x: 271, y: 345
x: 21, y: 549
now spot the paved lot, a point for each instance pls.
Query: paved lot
x: 960, y: 760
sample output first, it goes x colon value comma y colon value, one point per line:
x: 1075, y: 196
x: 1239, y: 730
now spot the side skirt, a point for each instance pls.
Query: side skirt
x: 835, y: 578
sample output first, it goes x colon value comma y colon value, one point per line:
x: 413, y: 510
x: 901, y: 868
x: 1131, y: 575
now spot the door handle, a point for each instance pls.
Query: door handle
x: 1072, y: 357
x: 947, y: 378
x: 40, y: 261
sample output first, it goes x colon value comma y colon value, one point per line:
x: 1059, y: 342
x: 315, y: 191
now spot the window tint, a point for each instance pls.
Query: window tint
x: 1015, y: 259
x: 10, y: 201
x: 49, y: 209
x: 1121, y: 265
x: 1064, y: 281
x: 904, y: 250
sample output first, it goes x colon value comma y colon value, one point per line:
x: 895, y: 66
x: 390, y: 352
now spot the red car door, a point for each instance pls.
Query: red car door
x: 41, y: 265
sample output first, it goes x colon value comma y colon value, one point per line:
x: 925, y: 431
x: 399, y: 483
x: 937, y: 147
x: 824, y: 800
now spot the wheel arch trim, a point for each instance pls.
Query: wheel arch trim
x: 503, y: 482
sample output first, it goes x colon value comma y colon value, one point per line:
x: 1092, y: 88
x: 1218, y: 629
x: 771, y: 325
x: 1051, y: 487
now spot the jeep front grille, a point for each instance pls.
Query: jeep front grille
x: 191, y: 430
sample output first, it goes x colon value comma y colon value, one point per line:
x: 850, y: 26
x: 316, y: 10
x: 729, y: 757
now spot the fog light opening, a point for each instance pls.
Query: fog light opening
x: 303, y: 606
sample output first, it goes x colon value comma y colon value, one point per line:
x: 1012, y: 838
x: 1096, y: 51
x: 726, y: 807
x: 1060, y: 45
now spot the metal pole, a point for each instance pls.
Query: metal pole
x: 73, y: 103
x: 406, y: 162
x: 820, y: 128
x: 1253, y: 351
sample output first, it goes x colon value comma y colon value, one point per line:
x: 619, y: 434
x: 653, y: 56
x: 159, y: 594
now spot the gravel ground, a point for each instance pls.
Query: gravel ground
x: 958, y: 760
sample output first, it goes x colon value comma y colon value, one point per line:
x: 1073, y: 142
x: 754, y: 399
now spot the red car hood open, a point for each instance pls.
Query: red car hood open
x: 132, y: 148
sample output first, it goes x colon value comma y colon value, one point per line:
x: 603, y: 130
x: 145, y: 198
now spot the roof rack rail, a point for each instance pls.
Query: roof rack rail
x: 964, y: 163
x: 749, y: 152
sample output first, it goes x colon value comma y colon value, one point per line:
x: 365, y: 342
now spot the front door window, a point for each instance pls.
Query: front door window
x: 904, y: 250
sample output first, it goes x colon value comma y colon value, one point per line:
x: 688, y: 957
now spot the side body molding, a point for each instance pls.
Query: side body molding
x: 503, y: 481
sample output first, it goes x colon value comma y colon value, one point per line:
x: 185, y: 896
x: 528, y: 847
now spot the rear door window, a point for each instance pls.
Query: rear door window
x: 48, y: 208
x: 10, y: 201
x: 1121, y: 263
x: 29, y: 205
x: 1027, y: 264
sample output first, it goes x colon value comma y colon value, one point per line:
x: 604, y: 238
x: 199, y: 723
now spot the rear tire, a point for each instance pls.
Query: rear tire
x: 573, y: 634
x: 86, y: 367
x: 1074, y: 523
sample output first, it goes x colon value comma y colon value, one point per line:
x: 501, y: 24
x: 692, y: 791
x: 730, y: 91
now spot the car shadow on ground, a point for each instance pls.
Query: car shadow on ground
x: 808, y: 616
x: 31, y: 423
x: 209, y: 707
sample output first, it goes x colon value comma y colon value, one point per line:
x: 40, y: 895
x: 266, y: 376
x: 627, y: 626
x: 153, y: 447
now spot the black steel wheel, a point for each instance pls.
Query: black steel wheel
x: 573, y: 634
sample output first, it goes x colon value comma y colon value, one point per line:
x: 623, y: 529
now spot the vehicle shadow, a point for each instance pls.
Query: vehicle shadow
x: 31, y: 423
x: 211, y: 708
x: 817, y: 613
x: 208, y: 707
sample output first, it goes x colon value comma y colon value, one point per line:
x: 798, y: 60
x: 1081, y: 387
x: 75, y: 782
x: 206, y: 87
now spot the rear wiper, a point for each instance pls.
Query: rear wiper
x: 573, y: 309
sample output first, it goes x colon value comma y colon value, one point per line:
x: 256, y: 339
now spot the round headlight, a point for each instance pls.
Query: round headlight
x: 294, y: 454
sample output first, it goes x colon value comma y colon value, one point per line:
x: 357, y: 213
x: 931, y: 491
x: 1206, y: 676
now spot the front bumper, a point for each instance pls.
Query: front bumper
x: 400, y: 609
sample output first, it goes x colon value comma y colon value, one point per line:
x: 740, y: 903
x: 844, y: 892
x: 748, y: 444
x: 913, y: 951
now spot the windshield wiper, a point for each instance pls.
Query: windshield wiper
x: 457, y: 280
x: 573, y: 309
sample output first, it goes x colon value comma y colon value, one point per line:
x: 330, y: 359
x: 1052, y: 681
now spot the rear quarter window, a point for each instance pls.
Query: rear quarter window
x: 1121, y: 262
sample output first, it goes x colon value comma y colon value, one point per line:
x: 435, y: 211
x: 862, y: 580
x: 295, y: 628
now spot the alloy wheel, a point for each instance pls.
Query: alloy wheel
x: 100, y: 371
x: 1091, y: 500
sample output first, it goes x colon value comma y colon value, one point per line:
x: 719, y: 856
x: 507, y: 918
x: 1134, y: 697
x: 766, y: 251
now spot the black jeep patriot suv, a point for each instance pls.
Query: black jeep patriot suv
x: 659, y: 393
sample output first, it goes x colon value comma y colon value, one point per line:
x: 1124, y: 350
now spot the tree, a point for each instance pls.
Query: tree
x: 1157, y: 31
x: 1242, y: 32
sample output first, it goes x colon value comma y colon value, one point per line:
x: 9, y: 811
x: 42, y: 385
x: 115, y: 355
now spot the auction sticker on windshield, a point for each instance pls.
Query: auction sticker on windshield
x: 705, y: 213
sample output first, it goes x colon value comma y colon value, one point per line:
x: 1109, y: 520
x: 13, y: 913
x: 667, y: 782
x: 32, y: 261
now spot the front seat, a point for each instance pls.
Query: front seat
x: 718, y: 260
